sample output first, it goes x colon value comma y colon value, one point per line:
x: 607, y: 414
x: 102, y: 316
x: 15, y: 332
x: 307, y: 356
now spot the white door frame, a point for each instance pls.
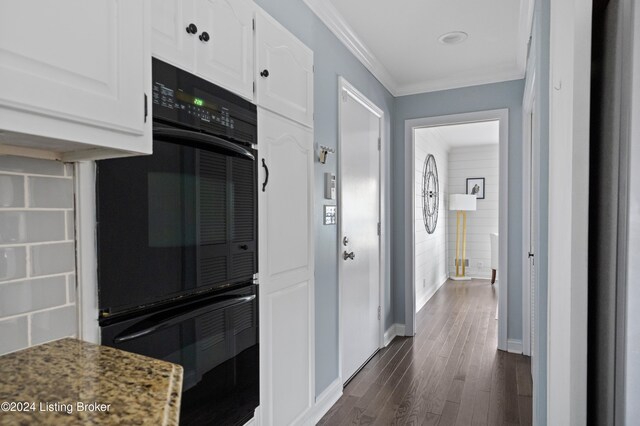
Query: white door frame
x: 527, y: 143
x: 502, y: 115
x: 347, y: 89
x: 569, y: 116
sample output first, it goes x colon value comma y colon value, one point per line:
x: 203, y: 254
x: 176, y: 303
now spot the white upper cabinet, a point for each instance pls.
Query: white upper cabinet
x: 174, y: 32
x: 73, y: 76
x: 226, y: 55
x: 210, y: 38
x: 284, y: 71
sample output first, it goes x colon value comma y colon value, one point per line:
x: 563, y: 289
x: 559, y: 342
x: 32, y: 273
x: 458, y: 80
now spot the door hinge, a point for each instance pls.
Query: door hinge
x: 254, y: 87
x: 146, y: 108
x: 378, y: 228
x: 379, y: 313
x: 254, y: 24
x: 379, y: 143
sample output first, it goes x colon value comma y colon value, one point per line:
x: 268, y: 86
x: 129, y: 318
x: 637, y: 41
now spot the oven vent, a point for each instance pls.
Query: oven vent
x: 212, y: 329
x: 243, y: 183
x: 243, y: 318
x: 242, y: 264
x: 213, y: 196
x: 213, y: 270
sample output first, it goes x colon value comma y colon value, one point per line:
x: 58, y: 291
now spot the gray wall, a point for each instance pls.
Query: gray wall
x: 331, y: 59
x: 468, y: 99
x: 37, y: 252
x: 540, y: 44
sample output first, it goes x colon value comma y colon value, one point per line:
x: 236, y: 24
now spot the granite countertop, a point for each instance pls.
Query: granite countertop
x: 50, y: 383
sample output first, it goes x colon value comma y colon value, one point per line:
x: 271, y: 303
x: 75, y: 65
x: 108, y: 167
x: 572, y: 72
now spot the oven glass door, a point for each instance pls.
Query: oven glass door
x: 215, y: 341
x: 180, y: 220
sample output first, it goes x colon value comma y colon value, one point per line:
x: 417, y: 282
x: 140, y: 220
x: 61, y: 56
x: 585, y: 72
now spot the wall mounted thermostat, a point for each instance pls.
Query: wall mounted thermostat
x: 330, y: 215
x: 329, y: 186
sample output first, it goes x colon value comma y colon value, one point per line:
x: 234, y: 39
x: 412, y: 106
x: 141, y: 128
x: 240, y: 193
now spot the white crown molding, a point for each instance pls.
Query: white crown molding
x: 330, y: 16
x: 456, y: 82
x: 336, y: 23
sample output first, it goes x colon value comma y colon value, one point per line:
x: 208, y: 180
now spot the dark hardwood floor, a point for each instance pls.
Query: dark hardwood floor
x: 450, y: 373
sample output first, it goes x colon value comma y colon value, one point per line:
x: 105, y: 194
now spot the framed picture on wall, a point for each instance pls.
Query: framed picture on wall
x: 475, y: 186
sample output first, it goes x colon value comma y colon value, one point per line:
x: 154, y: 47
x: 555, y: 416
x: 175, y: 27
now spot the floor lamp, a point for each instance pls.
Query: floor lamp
x: 461, y: 203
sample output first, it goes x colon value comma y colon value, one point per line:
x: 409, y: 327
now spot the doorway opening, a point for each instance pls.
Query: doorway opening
x: 468, y: 197
x: 361, y: 231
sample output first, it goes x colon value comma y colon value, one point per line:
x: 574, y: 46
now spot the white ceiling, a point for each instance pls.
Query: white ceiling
x: 398, y: 41
x: 465, y: 135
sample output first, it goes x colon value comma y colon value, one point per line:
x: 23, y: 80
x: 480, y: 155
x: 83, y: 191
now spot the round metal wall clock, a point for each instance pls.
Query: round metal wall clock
x: 430, y: 194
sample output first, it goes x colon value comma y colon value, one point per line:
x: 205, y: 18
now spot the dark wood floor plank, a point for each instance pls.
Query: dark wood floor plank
x: 449, y: 373
x: 437, y: 398
x: 429, y: 377
x: 523, y: 375
x: 511, y: 412
x: 449, y: 414
x: 497, y: 399
x: 411, y: 378
x: 467, y: 402
x: 524, y: 406
x: 481, y: 409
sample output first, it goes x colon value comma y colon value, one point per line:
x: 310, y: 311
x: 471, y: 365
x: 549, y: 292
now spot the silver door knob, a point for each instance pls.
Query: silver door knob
x: 346, y: 255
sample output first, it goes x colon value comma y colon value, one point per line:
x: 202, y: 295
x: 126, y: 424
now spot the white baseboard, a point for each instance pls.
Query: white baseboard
x: 393, y: 331
x: 326, y: 399
x: 514, y: 346
x: 429, y: 294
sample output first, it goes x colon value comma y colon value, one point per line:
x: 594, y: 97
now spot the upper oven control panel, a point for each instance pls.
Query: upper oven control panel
x: 187, y: 100
x: 166, y: 97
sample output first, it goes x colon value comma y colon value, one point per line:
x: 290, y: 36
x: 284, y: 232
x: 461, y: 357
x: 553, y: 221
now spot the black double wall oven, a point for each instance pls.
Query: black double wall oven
x: 177, y: 246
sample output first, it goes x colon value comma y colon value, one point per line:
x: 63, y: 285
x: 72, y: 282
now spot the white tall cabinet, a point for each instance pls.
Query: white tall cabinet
x: 284, y: 94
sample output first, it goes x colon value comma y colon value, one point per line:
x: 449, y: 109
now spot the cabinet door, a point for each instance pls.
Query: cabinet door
x: 73, y: 60
x: 172, y: 39
x: 286, y: 270
x: 285, y: 72
x: 225, y: 57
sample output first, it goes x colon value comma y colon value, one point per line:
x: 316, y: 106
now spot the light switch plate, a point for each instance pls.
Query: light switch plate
x: 330, y: 215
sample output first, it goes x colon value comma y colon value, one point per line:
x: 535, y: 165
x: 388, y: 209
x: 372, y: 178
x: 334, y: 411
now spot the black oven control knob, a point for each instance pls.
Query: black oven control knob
x: 204, y: 37
x: 192, y: 29
x: 264, y: 73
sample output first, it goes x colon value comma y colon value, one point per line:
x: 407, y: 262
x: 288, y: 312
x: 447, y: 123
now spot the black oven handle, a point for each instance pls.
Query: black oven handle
x: 167, y: 319
x: 172, y: 134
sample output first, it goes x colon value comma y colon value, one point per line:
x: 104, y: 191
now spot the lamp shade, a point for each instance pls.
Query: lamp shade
x: 462, y: 202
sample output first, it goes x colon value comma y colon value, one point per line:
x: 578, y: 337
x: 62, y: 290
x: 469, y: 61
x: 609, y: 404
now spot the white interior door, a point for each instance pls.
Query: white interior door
x: 286, y: 270
x: 359, y: 218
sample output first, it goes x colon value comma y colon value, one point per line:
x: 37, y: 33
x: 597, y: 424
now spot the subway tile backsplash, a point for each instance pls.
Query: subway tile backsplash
x: 37, y: 252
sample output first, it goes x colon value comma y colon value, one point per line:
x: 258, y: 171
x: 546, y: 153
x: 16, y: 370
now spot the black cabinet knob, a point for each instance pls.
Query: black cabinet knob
x: 265, y: 73
x: 204, y: 37
x: 244, y: 247
x: 192, y: 29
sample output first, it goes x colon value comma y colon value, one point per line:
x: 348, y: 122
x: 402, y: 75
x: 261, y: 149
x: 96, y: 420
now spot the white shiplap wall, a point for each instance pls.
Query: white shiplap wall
x: 475, y: 162
x: 430, y: 249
